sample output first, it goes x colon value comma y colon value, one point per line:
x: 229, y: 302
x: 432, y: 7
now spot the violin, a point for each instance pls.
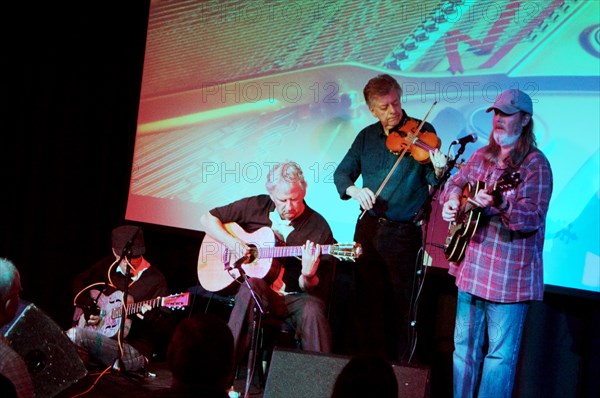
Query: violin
x: 407, y: 137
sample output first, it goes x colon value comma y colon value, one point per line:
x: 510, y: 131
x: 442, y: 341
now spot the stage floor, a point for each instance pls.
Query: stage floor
x: 123, y: 385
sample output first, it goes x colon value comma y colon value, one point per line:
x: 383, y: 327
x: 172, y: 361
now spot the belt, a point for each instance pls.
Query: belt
x: 390, y: 223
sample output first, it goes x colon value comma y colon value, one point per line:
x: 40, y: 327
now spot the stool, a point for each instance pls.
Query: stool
x: 224, y: 303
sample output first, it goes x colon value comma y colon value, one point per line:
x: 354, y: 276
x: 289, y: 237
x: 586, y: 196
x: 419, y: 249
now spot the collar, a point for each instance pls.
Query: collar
x: 144, y: 265
x: 282, y: 227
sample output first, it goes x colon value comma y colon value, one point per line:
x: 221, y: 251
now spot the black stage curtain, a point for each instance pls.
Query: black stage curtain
x: 72, y: 77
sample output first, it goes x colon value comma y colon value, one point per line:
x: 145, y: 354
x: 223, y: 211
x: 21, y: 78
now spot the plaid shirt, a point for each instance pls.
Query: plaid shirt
x: 14, y: 368
x: 503, y: 259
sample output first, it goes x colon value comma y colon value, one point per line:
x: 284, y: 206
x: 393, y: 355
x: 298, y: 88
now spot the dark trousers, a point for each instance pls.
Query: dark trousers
x: 304, y: 312
x: 384, y: 279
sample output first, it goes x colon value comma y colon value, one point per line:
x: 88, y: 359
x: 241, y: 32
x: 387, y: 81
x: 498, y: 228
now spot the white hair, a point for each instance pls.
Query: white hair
x: 288, y: 172
x: 8, y: 275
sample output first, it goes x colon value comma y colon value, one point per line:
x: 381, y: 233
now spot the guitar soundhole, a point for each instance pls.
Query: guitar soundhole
x: 253, y: 253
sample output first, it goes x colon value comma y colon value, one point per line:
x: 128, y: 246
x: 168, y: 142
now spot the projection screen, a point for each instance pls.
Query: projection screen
x: 229, y: 88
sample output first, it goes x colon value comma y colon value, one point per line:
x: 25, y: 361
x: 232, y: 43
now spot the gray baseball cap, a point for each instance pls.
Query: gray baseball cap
x: 512, y: 101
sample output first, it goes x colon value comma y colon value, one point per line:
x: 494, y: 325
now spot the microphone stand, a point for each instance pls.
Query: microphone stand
x: 422, y: 215
x: 425, y: 210
x: 257, y: 313
x: 118, y: 364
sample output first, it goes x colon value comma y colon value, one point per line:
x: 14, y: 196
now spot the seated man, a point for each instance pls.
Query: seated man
x: 101, y: 288
x: 12, y: 366
x: 298, y: 290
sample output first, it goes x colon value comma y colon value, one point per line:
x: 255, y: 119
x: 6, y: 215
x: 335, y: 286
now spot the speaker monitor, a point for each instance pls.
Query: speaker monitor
x: 50, y: 356
x: 312, y: 375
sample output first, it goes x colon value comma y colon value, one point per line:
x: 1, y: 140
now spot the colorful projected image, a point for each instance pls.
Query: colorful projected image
x: 230, y: 88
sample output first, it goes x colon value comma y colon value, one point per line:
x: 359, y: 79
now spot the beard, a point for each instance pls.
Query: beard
x: 504, y: 139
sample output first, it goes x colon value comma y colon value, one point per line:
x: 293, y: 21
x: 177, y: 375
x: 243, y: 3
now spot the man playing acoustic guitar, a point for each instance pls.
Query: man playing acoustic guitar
x: 501, y: 270
x: 99, y: 290
x: 298, y: 290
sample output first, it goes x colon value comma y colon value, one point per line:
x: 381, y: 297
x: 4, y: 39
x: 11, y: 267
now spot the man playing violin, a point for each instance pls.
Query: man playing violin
x: 388, y: 232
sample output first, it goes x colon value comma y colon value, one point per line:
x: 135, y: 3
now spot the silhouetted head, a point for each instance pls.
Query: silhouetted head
x: 200, y: 353
x: 366, y: 376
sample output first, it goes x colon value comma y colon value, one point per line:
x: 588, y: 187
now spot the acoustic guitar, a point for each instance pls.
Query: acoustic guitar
x: 110, y: 309
x: 469, y: 214
x: 217, y: 265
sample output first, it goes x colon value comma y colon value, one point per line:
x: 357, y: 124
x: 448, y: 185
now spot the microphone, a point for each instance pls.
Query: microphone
x: 465, y: 140
x: 238, y: 264
x: 246, y: 259
x: 128, y: 249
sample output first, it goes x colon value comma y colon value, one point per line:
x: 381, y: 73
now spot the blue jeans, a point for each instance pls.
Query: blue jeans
x: 500, y: 325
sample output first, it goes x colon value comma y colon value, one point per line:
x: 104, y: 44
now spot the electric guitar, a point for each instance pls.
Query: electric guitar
x: 469, y: 214
x: 216, y: 263
x: 110, y: 310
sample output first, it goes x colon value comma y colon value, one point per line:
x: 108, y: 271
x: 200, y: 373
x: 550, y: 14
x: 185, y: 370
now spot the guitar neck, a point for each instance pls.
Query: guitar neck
x: 135, y: 308
x: 471, y: 203
x: 287, y: 251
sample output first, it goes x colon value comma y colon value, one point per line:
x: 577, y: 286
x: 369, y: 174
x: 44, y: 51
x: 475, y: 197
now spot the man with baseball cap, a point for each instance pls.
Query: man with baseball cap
x: 501, y: 270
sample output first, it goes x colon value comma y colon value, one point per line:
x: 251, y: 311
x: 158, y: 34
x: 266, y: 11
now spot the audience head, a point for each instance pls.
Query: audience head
x: 200, y: 353
x: 10, y: 289
x: 7, y: 388
x: 366, y: 376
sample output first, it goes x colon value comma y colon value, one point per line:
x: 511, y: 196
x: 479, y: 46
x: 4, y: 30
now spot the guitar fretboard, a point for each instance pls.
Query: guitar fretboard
x: 137, y: 307
x: 287, y: 251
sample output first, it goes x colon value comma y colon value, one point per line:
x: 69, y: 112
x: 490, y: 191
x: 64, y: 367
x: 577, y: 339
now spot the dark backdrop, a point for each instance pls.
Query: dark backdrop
x: 71, y: 83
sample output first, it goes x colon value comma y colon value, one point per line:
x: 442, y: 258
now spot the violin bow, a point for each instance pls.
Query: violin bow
x: 387, y: 177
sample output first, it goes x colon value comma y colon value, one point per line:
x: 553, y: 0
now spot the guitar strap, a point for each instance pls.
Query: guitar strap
x: 88, y: 304
x: 100, y: 291
x: 516, y: 167
x: 94, y: 310
x: 513, y: 169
